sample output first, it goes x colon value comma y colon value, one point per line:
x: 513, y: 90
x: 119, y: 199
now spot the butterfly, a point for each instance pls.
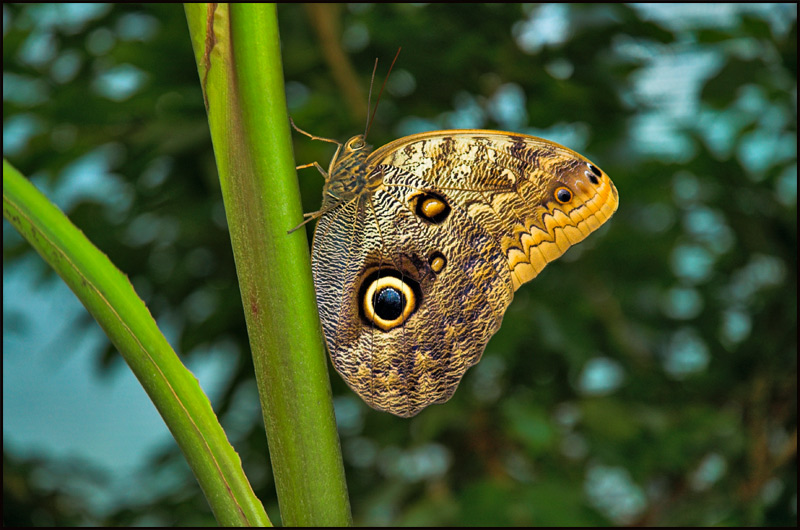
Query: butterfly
x: 421, y: 244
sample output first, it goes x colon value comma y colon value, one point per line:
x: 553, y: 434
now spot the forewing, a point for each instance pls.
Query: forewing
x: 508, y: 183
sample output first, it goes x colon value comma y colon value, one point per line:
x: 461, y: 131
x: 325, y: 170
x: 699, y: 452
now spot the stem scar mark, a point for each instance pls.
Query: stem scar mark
x: 254, y: 307
x: 211, y: 41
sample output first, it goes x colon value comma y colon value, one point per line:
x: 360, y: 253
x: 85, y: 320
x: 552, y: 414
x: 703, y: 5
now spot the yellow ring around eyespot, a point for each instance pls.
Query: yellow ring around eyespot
x: 374, y: 288
x: 571, y: 195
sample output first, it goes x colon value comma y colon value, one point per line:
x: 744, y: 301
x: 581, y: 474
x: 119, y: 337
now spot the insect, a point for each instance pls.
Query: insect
x: 421, y: 244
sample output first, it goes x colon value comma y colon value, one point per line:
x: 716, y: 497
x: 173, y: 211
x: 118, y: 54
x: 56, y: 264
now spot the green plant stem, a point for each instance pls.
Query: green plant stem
x: 110, y: 298
x: 237, y: 49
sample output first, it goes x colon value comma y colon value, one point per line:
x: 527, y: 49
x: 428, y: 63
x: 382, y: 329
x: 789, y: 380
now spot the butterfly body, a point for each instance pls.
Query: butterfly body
x: 423, y: 242
x: 349, y: 173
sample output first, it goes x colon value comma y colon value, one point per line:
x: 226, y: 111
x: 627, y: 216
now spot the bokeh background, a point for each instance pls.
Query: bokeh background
x: 649, y: 377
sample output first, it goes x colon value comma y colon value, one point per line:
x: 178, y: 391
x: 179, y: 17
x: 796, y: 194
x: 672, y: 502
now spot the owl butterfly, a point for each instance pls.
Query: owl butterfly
x: 421, y: 244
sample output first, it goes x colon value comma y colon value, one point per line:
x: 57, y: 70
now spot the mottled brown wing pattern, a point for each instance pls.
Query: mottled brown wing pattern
x: 421, y: 361
x: 415, y: 269
x: 508, y: 182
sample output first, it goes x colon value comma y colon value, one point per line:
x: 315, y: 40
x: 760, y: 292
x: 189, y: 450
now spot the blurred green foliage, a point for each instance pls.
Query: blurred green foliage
x: 648, y: 377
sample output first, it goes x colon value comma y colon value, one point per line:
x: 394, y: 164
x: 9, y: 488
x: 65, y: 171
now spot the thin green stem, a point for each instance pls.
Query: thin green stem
x: 237, y: 49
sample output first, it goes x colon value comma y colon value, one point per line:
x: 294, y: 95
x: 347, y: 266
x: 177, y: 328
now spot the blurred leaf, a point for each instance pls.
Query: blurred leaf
x: 721, y: 90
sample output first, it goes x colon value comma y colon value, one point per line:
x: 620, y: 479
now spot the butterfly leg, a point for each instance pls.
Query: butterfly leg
x: 309, y: 217
x: 301, y: 131
x: 316, y: 165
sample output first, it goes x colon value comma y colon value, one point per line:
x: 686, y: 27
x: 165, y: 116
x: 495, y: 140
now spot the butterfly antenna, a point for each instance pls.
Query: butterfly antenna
x: 369, y: 125
x: 369, y: 97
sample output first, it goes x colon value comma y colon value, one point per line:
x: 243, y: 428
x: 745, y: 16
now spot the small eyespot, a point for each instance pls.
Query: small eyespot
x: 563, y: 195
x: 595, y: 175
x: 431, y: 207
x: 437, y: 262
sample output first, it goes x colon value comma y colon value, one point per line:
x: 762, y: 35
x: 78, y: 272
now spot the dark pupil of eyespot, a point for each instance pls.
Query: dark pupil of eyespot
x: 564, y: 195
x: 388, y: 303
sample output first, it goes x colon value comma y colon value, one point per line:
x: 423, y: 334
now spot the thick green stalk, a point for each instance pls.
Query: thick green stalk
x: 237, y: 49
x: 110, y: 298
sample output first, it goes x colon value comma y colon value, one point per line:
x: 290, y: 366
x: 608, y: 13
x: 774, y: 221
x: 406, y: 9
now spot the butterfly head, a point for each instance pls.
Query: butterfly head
x: 355, y: 145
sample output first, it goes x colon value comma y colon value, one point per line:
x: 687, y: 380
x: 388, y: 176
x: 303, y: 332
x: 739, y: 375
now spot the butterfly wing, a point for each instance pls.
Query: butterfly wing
x: 413, y: 278
x: 510, y: 183
x: 455, y: 298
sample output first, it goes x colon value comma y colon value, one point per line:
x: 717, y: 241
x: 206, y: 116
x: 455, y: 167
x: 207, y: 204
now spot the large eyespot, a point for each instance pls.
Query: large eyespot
x: 430, y: 207
x: 388, y: 301
x: 563, y: 195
